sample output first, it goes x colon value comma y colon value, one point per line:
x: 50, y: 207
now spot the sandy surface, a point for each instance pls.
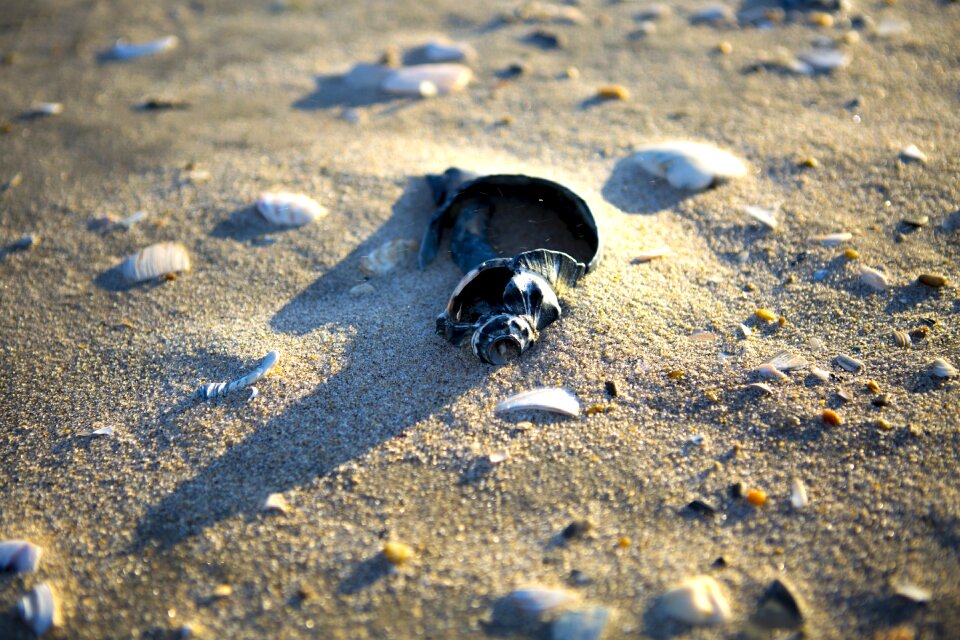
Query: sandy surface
x: 371, y: 426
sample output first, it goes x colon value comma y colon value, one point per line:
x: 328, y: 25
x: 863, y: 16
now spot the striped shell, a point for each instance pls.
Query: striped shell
x: 902, y: 338
x: 155, y: 261
x: 286, y: 209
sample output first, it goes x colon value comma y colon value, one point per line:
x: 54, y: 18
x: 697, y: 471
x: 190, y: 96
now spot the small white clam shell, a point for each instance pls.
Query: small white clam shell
x: 19, y: 556
x: 874, y: 279
x: 651, y: 254
x: 552, y: 399
x: 770, y: 372
x: 287, y: 209
x: 689, y: 165
x: 155, y: 261
x: 848, y: 363
x: 427, y: 80
x: 820, y: 374
x: 943, y: 369
x: 788, y: 361
x: 39, y: 609
x: 767, y: 217
x: 387, y: 256
x: 833, y: 239
x: 123, y: 50
x: 762, y: 386
x: 698, y: 600
x: 798, y: 494
x: 533, y: 602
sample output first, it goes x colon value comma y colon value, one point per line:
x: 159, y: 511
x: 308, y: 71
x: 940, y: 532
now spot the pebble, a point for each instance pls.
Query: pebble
x: 831, y: 417
x: 778, y: 608
x: 547, y: 12
x: 440, y: 51
x: 934, y: 280
x: 765, y: 314
x: 427, y: 80
x: 821, y: 61
x: 545, y: 39
x: 123, y: 50
x: 362, y: 289
x: 874, y: 279
x: 577, y: 529
x: 851, y: 254
x: 757, y: 497
x: 882, y: 400
x: 580, y: 624
x: 698, y: 600
x: 397, y: 553
x: 613, y: 92
x: 716, y: 15
x: 12, y: 183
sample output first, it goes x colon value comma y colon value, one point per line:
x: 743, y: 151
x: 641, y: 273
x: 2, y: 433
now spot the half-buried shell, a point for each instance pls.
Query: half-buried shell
x: 287, y: 209
x: 39, y: 609
x: 19, y: 556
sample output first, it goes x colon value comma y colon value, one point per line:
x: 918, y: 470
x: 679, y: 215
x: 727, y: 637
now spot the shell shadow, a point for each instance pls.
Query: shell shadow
x: 365, y: 574
x: 332, y: 90
x: 632, y: 190
x: 246, y: 225
x: 328, y: 426
x: 112, y: 280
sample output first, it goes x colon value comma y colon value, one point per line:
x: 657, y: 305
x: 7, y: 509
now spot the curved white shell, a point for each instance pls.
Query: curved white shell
x: 19, y: 556
x: 553, y: 399
x: 439, y: 51
x: 833, y: 239
x: 697, y: 600
x: 387, y: 256
x: 798, y: 494
x: 427, y: 80
x: 874, y: 279
x: 943, y: 369
x: 533, y: 602
x: 788, y: 361
x: 123, y: 50
x: 822, y: 61
x: 289, y: 209
x: 768, y: 217
x: 155, y: 261
x: 39, y: 609
x: 689, y: 165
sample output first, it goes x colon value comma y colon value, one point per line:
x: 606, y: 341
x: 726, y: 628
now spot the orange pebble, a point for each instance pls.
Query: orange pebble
x: 756, y: 497
x: 831, y: 417
x: 623, y: 542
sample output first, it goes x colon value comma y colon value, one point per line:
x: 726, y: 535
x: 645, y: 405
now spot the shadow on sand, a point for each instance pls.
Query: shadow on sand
x: 632, y: 190
x: 328, y: 426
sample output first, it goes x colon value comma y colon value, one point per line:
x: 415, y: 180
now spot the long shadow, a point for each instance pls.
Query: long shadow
x: 632, y: 190
x: 333, y: 90
x: 329, y: 426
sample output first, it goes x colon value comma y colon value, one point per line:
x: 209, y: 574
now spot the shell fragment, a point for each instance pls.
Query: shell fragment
x: 426, y: 80
x: 552, y: 399
x: 155, y: 261
x: 689, y: 165
x: 697, y: 600
x: 39, y: 609
x: 19, y: 556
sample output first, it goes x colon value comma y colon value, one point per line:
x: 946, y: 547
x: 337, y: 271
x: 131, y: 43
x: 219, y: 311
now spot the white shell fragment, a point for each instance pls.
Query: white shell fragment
x: 943, y: 369
x: 19, y: 556
x: 715, y: 15
x: 155, y: 261
x: 848, y: 363
x: 367, y: 76
x: 39, y: 609
x: 102, y: 431
x: 427, y: 80
x: 44, y: 109
x: 276, y: 502
x: 798, y: 494
x: 820, y: 374
x: 287, y: 209
x: 770, y: 372
x: 911, y: 153
x: 746, y: 331
x: 762, y: 386
x: 580, y: 624
x: 387, y: 256
x: 787, y: 361
x: 833, y: 239
x: 697, y: 600
x: 545, y: 12
x: 913, y: 592
x: 436, y: 52
x: 767, y: 217
x: 218, y: 389
x: 874, y: 279
x: 553, y: 399
x: 123, y: 50
x: 532, y: 603
x: 651, y: 254
x: 689, y: 165
x: 821, y: 61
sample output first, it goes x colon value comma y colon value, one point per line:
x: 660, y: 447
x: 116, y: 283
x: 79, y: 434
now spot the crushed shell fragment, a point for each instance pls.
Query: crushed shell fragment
x: 552, y: 399
x: 767, y: 217
x: 155, y: 261
x: 690, y: 165
x: 943, y: 369
x: 19, y: 556
x: 848, y: 363
x: 820, y: 374
x: 874, y: 279
x: 40, y: 609
x: 387, y: 256
x: 833, y: 239
x: 798, y: 494
x: 286, y: 209
x: 697, y: 600
x: 770, y: 372
x: 276, y: 502
x: 532, y: 603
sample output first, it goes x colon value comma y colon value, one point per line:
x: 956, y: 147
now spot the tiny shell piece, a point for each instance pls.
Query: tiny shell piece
x: 822, y: 61
x: 763, y: 386
x: 848, y: 363
x: 289, y: 209
x: 943, y: 369
x: 40, y: 609
x: 19, y: 556
x: 651, y: 254
x: 874, y: 279
x: 767, y: 217
x: 387, y: 256
x: 155, y: 261
x: 580, y: 624
x: 427, y: 80
x: 911, y: 153
x: 715, y: 15
x: 397, y: 553
x: 787, y: 361
x: 532, y: 603
x: 45, y: 109
x: 553, y: 399
x: 436, y: 52
x: 276, y: 502
x: 362, y: 289
x: 833, y: 239
x: 102, y: 431
x: 689, y: 165
x: 913, y: 592
x: 697, y: 600
x: 770, y: 372
x: 217, y: 389
x: 820, y: 374
x: 798, y: 494
x: 746, y: 331
x: 123, y: 50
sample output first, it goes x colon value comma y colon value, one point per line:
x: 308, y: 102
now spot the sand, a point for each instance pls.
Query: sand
x: 371, y: 426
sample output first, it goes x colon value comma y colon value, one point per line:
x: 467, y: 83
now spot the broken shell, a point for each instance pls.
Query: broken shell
x: 911, y: 153
x: 874, y: 279
x: 913, y: 592
x: 531, y: 604
x: 39, y: 109
x: 276, y: 502
x: 155, y: 261
x: 437, y: 52
x: 715, y: 15
x: 580, y: 624
x: 770, y: 372
x: 902, y: 338
x: 943, y: 369
x: 39, y: 609
x: 289, y: 209
x: 123, y: 50
x: 552, y: 399
x: 778, y: 608
x: 697, y: 600
x: 387, y: 256
x: 762, y: 386
x: 848, y: 363
x: 833, y: 239
x: 427, y: 80
x: 215, y: 390
x: 651, y: 254
x: 798, y: 494
x: 820, y: 374
x: 689, y: 165
x: 19, y: 556
x: 767, y: 217
x: 821, y: 61
x: 787, y: 361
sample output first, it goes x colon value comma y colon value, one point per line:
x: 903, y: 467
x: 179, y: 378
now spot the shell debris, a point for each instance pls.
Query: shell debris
x: 770, y: 372
x: 531, y: 604
x: 833, y: 239
x: 218, y: 389
x: 41, y: 109
x: 155, y: 261
x: 123, y: 50
x: 798, y: 494
x: 820, y: 374
x: 387, y: 256
x: 277, y: 503
x: 651, y: 254
x: 850, y: 364
x: 788, y: 361
x: 911, y: 153
x: 913, y: 592
x: 831, y: 417
x: 943, y: 369
x: 580, y: 624
x: 698, y: 600
x: 767, y: 217
x: 874, y: 279
x: 689, y: 165
x: 427, y: 80
x: 439, y: 51
x: 19, y: 556
x: 763, y: 386
x: 820, y: 61
x: 552, y: 399
x: 902, y: 338
x: 283, y: 208
x: 40, y: 609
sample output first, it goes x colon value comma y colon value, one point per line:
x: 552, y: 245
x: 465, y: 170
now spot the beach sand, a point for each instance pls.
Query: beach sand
x: 375, y: 429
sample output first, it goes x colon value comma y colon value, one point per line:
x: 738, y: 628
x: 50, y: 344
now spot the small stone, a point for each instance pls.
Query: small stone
x: 737, y: 490
x: 545, y: 39
x: 778, y: 608
x: 932, y: 280
x: 623, y: 542
x: 809, y: 162
x: 222, y: 591
x: 577, y: 529
x: 831, y: 417
x: 883, y: 424
x: 580, y: 624
x: 610, y: 388
x: 919, y: 221
x: 757, y: 497
x: 397, y: 553
x: 613, y: 92
x: 873, y: 386
x: 725, y: 48
x: 851, y: 254
x: 427, y: 80
x: 362, y: 289
x: 697, y: 600
x: 820, y: 19
x: 901, y: 632
x: 766, y: 314
x: 881, y: 400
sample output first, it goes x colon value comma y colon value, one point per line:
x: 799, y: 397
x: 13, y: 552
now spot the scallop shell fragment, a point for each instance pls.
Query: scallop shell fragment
x: 902, y: 339
x: 123, y: 50
x: 552, y: 399
x: 788, y: 361
x: 848, y: 363
x: 767, y: 217
x: 689, y: 165
x: 874, y: 279
x: 426, y: 80
x: 287, y: 209
x: 39, y: 609
x: 19, y: 556
x: 943, y: 369
x: 770, y: 372
x: 697, y: 600
x: 155, y: 261
x: 387, y: 256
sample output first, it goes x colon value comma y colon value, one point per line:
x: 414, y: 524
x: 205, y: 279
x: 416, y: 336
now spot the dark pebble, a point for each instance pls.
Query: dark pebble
x: 577, y: 529
x: 545, y: 39
x: 610, y: 387
x: 701, y: 508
